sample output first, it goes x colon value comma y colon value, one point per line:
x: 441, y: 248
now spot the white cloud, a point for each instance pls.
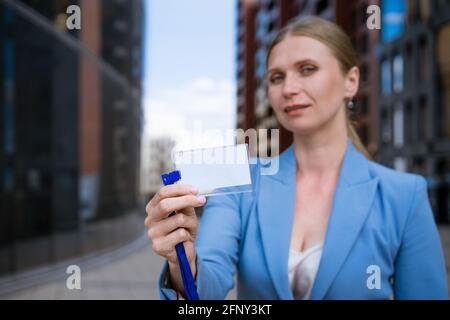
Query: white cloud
x: 178, y: 112
x: 203, y: 95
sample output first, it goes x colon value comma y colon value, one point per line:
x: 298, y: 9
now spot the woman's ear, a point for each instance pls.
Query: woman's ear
x: 352, y: 82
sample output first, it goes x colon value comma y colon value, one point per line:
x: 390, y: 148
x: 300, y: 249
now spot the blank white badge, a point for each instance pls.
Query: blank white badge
x: 215, y: 171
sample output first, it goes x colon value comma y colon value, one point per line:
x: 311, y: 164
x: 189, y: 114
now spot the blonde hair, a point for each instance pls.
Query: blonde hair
x: 341, y: 47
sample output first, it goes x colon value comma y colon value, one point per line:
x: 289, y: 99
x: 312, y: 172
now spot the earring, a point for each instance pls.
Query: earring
x: 350, y: 104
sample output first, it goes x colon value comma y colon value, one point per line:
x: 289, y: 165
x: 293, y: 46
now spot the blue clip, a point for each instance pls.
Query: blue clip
x: 186, y: 273
x: 171, y: 177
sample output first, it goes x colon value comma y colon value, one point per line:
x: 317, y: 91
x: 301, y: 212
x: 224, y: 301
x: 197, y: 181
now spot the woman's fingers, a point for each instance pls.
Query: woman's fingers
x: 165, y: 246
x: 173, y: 190
x: 167, y: 205
x: 172, y: 223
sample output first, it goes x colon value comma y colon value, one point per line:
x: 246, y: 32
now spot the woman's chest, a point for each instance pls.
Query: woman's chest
x: 310, y: 217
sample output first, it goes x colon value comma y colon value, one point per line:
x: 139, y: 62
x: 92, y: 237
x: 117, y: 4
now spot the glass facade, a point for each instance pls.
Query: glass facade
x: 70, y: 129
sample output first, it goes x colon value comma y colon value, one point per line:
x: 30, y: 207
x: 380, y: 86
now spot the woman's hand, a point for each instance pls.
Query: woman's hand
x: 165, y: 232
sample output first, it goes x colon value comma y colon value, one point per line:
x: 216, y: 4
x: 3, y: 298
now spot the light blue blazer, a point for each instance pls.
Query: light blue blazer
x: 380, y: 217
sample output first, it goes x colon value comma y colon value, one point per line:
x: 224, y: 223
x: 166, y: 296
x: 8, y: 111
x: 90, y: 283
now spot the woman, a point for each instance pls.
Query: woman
x: 331, y: 224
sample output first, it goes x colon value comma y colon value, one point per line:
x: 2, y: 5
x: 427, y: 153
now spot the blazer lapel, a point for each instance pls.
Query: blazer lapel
x: 275, y: 209
x: 353, y: 199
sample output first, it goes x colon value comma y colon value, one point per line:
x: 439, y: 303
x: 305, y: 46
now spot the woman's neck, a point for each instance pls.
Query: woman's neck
x: 319, y: 156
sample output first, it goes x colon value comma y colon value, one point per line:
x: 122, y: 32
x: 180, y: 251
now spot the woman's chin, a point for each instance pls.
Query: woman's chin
x: 299, y: 127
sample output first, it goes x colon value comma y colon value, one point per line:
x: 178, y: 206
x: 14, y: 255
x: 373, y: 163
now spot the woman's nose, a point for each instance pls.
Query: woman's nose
x: 291, y: 86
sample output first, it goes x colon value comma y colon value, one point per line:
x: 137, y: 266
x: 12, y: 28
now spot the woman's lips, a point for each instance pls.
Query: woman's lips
x: 296, y: 108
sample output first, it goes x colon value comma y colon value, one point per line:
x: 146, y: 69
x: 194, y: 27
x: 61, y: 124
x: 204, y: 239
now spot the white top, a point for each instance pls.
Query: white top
x: 302, y: 268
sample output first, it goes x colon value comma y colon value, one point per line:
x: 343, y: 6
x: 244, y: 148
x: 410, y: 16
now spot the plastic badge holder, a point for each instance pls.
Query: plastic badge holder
x: 215, y: 171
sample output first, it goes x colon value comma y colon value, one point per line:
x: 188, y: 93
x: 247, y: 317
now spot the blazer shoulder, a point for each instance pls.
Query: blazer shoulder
x: 401, y: 189
x: 396, y: 178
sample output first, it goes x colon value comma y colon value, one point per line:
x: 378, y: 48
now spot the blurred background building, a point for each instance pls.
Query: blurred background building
x: 403, y: 105
x: 71, y: 122
x: 160, y: 156
x: 414, y: 109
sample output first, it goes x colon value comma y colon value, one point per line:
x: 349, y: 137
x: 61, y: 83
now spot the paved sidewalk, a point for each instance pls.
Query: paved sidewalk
x: 128, y: 274
x: 131, y: 276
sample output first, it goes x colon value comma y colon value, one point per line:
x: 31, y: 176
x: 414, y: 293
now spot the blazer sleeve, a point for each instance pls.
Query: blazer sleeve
x: 420, y: 271
x: 217, y: 249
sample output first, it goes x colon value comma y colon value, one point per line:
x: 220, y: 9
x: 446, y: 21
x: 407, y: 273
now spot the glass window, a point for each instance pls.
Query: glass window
x: 398, y: 73
x: 400, y: 164
x: 408, y: 67
x: 399, y: 126
x: 386, y: 77
x: 443, y: 51
x: 385, y: 126
x: 443, y: 4
x: 423, y: 58
x: 424, y: 10
x: 418, y: 165
x: 409, y: 136
x: 423, y: 119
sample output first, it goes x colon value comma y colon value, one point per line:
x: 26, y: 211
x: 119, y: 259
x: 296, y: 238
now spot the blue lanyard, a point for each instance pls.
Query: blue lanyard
x: 186, y: 273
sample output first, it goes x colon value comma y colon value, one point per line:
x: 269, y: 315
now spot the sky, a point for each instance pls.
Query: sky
x: 189, y: 84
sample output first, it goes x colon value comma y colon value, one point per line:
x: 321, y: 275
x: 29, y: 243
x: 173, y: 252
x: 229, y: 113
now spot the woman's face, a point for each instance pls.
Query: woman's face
x: 306, y: 86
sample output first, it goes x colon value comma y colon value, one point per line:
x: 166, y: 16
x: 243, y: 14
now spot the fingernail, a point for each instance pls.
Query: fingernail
x: 194, y: 190
x: 201, y: 199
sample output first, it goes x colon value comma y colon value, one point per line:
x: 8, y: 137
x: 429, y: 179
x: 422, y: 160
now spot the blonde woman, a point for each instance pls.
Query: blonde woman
x: 331, y: 224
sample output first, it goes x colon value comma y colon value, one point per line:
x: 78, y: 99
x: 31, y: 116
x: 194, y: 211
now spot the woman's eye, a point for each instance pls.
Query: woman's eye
x: 276, y: 79
x: 307, y: 70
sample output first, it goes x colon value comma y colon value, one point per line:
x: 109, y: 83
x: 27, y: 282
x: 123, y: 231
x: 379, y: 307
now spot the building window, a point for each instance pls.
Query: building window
x: 423, y: 119
x: 424, y: 10
x: 418, y: 165
x: 409, y: 66
x: 443, y: 4
x: 399, y: 121
x: 423, y: 58
x: 385, y: 126
x: 398, y: 73
x: 386, y: 77
x: 400, y: 164
x: 321, y: 6
x: 409, y: 136
x: 443, y: 51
